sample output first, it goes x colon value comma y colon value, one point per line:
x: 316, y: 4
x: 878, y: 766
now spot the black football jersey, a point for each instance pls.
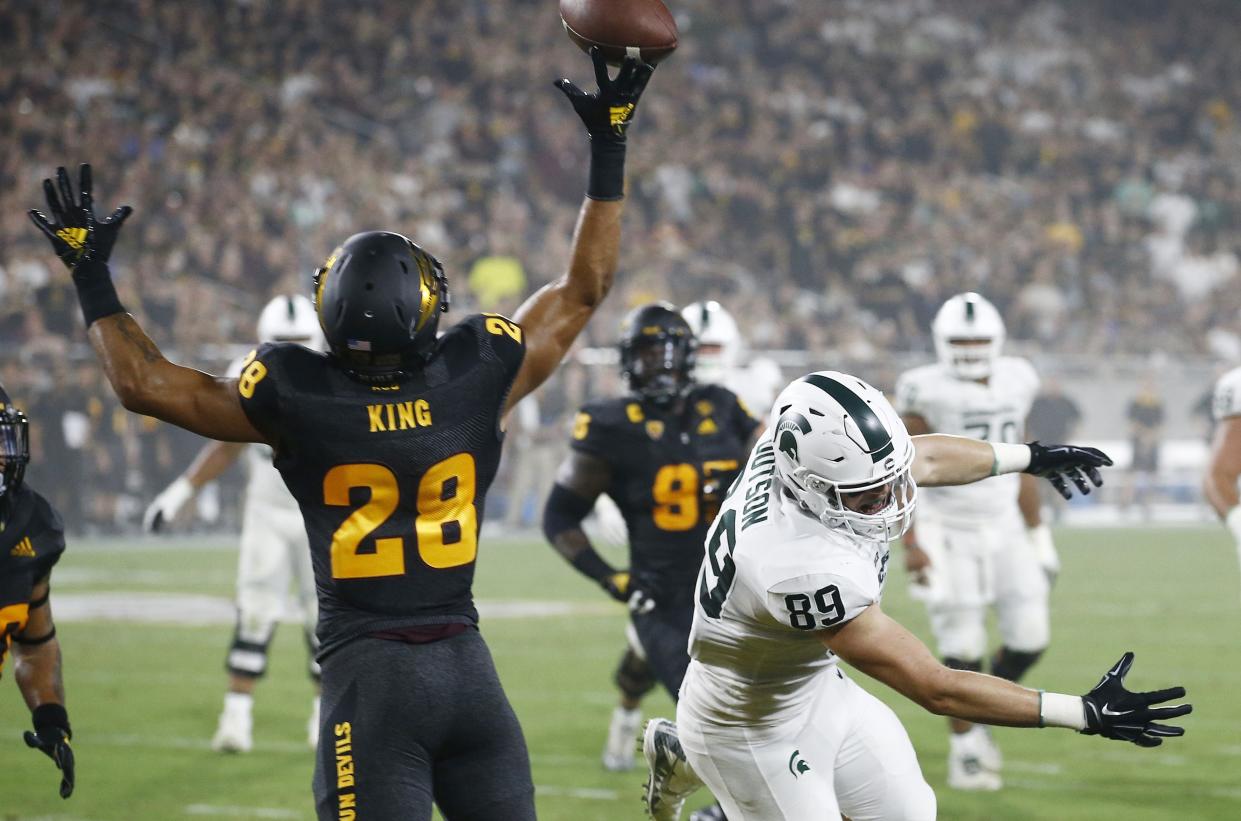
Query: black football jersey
x: 669, y: 475
x: 391, y: 479
x: 31, y: 542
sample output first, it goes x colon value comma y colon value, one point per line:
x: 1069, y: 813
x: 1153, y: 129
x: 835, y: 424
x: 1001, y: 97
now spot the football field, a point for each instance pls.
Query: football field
x: 144, y: 625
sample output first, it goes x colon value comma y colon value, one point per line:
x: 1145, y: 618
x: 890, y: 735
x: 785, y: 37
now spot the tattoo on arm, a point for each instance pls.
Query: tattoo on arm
x: 135, y: 336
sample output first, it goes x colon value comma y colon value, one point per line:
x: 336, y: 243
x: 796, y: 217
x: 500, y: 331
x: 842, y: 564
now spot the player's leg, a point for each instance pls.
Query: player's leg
x: 958, y: 622
x: 877, y: 776
x: 482, y: 767
x: 634, y: 679
x: 769, y: 774
x: 298, y: 558
x: 379, y: 719
x: 664, y: 636
x: 262, y: 577
x: 1022, y: 606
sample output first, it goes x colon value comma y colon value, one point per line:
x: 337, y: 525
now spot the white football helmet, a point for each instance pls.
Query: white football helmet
x: 291, y: 318
x: 969, y: 334
x: 719, y: 341
x: 844, y: 454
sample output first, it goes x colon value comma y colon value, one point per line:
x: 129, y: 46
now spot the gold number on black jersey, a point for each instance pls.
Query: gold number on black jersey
x: 252, y: 374
x: 675, y: 491
x: 446, y: 525
x: 500, y: 326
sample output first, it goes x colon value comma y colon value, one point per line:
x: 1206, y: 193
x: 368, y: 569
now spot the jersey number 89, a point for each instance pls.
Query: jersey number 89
x: 446, y: 525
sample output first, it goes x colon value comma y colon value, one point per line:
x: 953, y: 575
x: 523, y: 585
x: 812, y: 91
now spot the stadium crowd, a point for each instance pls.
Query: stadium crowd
x: 831, y: 171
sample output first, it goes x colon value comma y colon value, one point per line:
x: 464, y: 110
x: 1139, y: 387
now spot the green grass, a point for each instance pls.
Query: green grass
x: 144, y: 698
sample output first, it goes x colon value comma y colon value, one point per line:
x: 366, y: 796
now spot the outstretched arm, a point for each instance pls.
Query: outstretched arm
x: 940, y: 459
x: 880, y: 647
x: 1220, y: 482
x: 554, y: 316
x: 142, y: 378
x: 210, y: 464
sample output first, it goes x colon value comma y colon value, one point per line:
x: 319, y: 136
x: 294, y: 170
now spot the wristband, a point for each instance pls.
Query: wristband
x: 1009, y: 458
x: 51, y: 715
x: 1233, y: 520
x: 590, y: 563
x: 96, y: 293
x: 607, y: 170
x: 1059, y: 710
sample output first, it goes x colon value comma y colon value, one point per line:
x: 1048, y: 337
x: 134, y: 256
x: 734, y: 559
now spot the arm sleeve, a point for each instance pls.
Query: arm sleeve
x: 1227, y: 399
x: 505, y: 340
x: 48, y: 540
x: 590, y: 432
x: 258, y: 389
x: 817, y: 601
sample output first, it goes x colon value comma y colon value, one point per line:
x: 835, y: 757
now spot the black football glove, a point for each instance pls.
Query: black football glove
x: 617, y: 585
x: 608, y: 112
x: 1114, y: 712
x: 51, y: 735
x: 1060, y: 464
x: 74, y: 232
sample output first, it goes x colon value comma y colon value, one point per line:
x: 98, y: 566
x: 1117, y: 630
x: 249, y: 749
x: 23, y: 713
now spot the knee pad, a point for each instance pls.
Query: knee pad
x: 1013, y: 664
x: 954, y: 663
x: 247, y: 655
x: 634, y: 676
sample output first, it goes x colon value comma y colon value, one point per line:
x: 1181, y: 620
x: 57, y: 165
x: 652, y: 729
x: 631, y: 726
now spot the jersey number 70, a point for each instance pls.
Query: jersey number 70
x: 446, y: 526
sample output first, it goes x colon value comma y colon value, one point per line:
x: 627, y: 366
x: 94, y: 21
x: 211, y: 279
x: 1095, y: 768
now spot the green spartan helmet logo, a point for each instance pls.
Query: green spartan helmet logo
x: 786, y: 440
x: 797, y: 764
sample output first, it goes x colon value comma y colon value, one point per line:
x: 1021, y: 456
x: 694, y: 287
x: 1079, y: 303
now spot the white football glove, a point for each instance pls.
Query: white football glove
x: 1045, y: 551
x: 167, y: 505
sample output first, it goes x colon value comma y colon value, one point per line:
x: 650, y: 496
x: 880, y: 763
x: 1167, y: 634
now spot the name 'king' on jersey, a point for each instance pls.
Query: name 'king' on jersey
x: 993, y: 412
x: 32, y: 540
x: 669, y: 475
x: 390, y: 479
x: 774, y: 577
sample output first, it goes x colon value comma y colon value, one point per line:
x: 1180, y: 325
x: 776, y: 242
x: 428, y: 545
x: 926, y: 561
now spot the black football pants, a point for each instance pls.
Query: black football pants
x: 664, y: 633
x: 405, y: 725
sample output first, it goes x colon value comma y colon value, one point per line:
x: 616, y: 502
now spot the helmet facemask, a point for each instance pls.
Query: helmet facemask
x: 879, y: 509
x: 970, y: 358
x: 14, y: 449
x: 658, y: 367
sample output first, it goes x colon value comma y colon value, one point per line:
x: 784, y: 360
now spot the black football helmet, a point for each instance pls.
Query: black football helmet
x: 14, y: 450
x: 657, y: 350
x: 379, y: 298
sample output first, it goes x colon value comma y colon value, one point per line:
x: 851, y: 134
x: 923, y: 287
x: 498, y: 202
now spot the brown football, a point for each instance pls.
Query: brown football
x: 620, y: 27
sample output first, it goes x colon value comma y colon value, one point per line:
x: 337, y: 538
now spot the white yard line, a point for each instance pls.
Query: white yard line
x: 231, y: 811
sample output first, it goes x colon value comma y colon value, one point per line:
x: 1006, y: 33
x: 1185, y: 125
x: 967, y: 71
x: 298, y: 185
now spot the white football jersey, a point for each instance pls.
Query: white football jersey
x: 994, y: 412
x: 1227, y: 401
x: 264, y: 483
x: 773, y: 579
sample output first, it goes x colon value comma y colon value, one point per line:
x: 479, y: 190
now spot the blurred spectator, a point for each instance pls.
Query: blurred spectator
x: 831, y: 170
x: 1145, y: 414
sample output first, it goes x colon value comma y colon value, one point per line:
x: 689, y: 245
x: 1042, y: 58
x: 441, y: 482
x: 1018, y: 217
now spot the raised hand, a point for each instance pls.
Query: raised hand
x: 1116, y: 713
x: 76, y: 235
x: 608, y: 112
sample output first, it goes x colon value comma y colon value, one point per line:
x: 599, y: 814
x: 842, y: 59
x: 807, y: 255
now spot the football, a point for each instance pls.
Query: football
x: 620, y: 27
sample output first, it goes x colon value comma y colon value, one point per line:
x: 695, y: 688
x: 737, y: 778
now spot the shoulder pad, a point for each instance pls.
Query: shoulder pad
x: 816, y: 601
x: 1227, y: 399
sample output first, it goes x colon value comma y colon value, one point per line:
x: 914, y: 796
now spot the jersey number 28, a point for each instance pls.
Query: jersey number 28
x: 446, y: 526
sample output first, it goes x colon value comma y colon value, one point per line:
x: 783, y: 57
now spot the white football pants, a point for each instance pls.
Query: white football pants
x: 981, y: 565
x: 848, y: 754
x: 274, y: 551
